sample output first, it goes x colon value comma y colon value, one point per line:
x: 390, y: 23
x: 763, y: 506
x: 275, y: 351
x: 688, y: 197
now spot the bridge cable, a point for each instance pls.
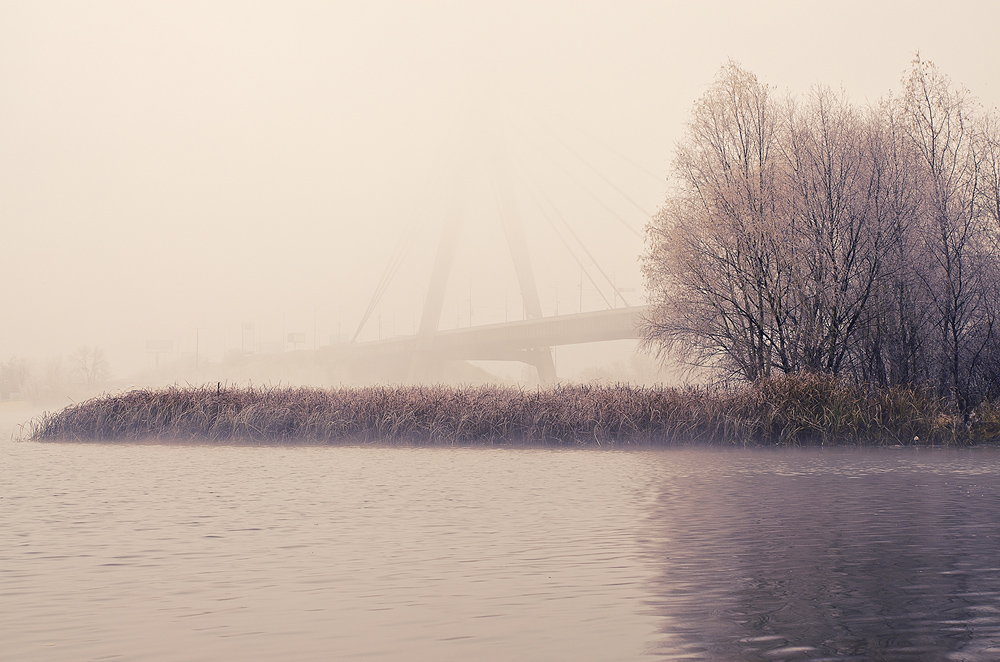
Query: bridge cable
x: 576, y: 257
x: 400, y: 253
x: 536, y: 193
x: 576, y: 181
x: 624, y: 157
x: 582, y: 160
x: 635, y: 164
x: 593, y: 260
x: 403, y: 247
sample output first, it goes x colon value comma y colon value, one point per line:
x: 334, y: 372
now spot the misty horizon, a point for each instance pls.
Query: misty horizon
x: 173, y: 173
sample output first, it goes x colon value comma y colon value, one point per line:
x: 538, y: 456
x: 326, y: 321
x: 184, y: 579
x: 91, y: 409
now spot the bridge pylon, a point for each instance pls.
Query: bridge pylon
x: 496, y: 167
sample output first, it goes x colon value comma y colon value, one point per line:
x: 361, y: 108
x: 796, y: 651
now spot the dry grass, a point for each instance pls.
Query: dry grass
x: 790, y: 410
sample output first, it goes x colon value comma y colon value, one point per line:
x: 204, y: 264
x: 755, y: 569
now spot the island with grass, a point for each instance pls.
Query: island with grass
x: 788, y: 410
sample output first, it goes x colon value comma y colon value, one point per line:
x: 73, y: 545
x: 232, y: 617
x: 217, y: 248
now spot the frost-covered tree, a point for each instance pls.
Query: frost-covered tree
x: 813, y: 235
x: 716, y: 271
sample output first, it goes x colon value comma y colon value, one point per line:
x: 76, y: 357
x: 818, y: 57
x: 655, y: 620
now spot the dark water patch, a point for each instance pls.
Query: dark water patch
x: 874, y: 558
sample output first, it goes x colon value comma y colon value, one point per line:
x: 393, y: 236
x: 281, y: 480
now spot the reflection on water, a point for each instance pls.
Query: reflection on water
x: 836, y: 555
x: 155, y: 552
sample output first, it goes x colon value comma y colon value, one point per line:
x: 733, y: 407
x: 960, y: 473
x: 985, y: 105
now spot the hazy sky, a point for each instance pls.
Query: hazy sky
x: 172, y: 165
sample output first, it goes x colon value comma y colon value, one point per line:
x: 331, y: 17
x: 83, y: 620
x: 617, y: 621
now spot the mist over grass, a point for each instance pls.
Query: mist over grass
x: 792, y: 410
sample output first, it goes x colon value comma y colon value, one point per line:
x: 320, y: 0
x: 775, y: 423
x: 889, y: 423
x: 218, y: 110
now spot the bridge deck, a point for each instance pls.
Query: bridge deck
x: 504, y: 341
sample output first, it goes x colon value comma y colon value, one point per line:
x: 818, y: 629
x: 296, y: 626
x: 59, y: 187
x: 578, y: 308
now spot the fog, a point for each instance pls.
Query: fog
x: 221, y: 175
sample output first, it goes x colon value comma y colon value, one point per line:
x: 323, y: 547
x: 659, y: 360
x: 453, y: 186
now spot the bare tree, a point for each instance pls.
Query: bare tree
x: 895, y: 328
x: 837, y: 225
x: 718, y: 278
x: 988, y: 209
x: 988, y: 147
x: 940, y: 121
x: 90, y: 364
x: 768, y: 251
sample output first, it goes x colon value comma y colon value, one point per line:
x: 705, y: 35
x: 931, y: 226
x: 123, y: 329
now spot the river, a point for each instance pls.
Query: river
x: 188, y: 552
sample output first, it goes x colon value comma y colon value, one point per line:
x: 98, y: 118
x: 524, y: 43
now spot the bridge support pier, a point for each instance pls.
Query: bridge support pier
x: 421, y: 363
x: 542, y: 360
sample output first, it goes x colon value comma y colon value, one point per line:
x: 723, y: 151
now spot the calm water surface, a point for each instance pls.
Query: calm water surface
x: 160, y: 552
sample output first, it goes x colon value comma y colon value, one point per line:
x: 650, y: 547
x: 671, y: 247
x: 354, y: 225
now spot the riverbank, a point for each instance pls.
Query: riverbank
x: 789, y: 411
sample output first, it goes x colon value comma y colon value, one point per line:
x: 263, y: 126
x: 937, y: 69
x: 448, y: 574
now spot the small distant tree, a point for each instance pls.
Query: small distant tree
x: 14, y: 375
x: 89, y: 364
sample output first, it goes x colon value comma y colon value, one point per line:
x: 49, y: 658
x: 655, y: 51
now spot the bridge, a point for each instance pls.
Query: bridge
x: 530, y: 340
x: 527, y: 341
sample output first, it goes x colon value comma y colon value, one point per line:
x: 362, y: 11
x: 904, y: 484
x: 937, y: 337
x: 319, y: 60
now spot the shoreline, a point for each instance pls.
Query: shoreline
x: 802, y: 410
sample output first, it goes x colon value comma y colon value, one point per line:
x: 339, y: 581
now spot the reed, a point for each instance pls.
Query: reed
x: 795, y: 410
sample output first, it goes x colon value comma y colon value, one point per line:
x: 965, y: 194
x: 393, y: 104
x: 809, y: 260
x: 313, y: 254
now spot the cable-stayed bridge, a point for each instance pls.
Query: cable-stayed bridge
x: 529, y: 340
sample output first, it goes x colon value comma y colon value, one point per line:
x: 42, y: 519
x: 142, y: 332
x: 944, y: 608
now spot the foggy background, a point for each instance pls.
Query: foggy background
x: 228, y: 173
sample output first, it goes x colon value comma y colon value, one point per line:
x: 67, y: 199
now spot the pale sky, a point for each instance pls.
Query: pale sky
x: 172, y: 165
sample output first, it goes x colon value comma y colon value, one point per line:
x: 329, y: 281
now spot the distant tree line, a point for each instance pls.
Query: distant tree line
x: 809, y: 234
x: 88, y: 366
